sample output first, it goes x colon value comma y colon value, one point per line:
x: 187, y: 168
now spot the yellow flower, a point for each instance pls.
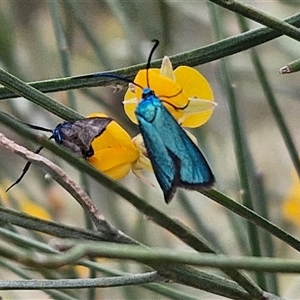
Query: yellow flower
x: 291, y: 205
x: 114, y: 151
x: 29, y: 207
x: 184, y: 92
x: 25, y: 204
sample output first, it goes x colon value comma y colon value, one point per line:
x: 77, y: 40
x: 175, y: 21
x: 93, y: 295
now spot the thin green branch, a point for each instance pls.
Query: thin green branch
x: 62, y: 46
x: 181, y: 274
x: 57, y: 295
x: 40, y: 284
x: 240, y: 145
x: 52, y: 228
x: 278, y: 117
x: 75, y: 8
x: 118, y: 8
x: 253, y: 217
x: 26, y: 242
x: 137, y: 253
x: 257, y: 179
x: 291, y: 67
x: 155, y: 287
x: 192, y: 58
x: 22, y: 89
x: 260, y: 17
x: 160, y: 256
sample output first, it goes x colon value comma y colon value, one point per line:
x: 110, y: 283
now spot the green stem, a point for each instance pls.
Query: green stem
x: 252, y: 217
x: 159, y: 255
x: 118, y: 8
x: 22, y: 89
x: 45, y: 248
x: 76, y: 10
x: 257, y: 178
x: 62, y: 47
x: 291, y: 67
x: 78, y: 251
x: 37, y: 284
x: 226, y: 47
x: 240, y: 145
x: 260, y: 17
x: 281, y: 123
x: 58, y: 295
x: 52, y: 228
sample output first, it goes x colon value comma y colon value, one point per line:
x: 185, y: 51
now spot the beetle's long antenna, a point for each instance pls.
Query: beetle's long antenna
x: 150, y: 58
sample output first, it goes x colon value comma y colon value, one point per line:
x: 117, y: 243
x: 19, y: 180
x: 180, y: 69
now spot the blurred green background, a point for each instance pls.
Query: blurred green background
x: 107, y: 35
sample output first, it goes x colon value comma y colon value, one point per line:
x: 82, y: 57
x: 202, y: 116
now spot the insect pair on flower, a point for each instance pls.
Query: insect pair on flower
x: 160, y: 101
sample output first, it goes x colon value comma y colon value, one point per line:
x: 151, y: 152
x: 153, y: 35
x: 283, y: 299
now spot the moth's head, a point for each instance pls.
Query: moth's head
x: 147, y: 92
x: 57, y: 135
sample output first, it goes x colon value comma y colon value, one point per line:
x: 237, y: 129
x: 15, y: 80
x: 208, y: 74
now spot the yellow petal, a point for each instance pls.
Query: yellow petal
x: 166, y: 68
x: 199, y: 92
x: 197, y: 113
x: 114, y: 152
x: 130, y: 106
x: 114, y: 162
x: 167, y: 90
x: 193, y: 83
x: 97, y: 114
x: 113, y: 136
x: 82, y: 271
x: 199, y: 105
x: 143, y: 161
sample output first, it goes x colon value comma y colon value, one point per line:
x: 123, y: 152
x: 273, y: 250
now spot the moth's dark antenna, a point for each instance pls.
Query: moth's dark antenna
x: 38, y: 150
x: 121, y: 77
x: 109, y: 76
x: 38, y: 127
x: 26, y: 168
x: 156, y: 43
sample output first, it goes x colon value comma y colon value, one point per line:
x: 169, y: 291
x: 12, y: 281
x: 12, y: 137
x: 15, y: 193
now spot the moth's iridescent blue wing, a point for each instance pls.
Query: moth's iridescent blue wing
x: 176, y: 160
x: 162, y: 163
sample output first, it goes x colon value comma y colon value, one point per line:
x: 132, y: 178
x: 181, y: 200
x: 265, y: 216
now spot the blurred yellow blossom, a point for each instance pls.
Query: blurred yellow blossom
x: 184, y: 92
x: 24, y: 203
x: 291, y: 205
x: 29, y: 207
